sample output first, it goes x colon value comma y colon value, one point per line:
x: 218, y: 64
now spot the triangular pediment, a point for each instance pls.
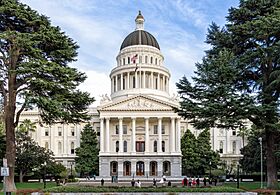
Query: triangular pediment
x: 138, y: 103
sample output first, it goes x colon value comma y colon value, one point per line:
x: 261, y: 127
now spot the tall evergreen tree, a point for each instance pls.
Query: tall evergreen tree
x: 87, y: 154
x: 34, y: 57
x: 238, y: 79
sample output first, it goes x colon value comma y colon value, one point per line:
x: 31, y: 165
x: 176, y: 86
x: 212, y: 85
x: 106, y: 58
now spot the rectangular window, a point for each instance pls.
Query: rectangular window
x: 117, y: 129
x: 155, y: 129
x: 72, y: 131
x: 46, y: 132
x: 72, y: 151
x: 163, y: 129
x: 124, y: 129
x: 233, y: 132
x: 140, y: 146
x: 59, y: 131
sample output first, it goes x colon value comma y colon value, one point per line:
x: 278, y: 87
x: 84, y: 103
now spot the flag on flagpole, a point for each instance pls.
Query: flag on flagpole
x: 134, y: 58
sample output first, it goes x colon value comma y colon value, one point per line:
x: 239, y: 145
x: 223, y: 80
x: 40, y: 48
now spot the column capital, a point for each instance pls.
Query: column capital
x: 133, y: 118
x: 107, y: 118
x: 120, y: 118
x: 146, y: 118
x: 159, y: 118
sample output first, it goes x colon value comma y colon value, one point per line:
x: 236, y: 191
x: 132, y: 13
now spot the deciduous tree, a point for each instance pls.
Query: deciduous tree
x: 34, y: 58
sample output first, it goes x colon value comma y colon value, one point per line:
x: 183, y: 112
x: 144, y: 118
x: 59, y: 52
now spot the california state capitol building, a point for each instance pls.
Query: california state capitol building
x: 139, y: 133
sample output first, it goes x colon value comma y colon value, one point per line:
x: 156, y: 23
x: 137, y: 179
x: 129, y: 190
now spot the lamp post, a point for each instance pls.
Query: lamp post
x: 44, y: 178
x: 237, y: 175
x: 260, y: 139
x: 71, y: 170
x: 210, y: 163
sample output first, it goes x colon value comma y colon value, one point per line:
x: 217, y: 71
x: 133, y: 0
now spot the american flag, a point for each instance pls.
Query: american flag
x: 134, y: 58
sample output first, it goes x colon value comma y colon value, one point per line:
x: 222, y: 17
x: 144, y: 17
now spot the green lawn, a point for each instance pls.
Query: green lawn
x: 248, y: 185
x: 30, y: 185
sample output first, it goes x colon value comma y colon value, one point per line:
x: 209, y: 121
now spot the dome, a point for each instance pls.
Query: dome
x: 140, y: 37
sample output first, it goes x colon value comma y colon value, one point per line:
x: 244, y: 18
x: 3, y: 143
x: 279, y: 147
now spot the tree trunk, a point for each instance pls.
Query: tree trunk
x: 271, y: 161
x: 10, y: 149
x: 10, y: 109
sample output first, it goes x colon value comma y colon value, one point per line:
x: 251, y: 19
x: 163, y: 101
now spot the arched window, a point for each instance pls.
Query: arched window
x: 163, y: 146
x: 117, y: 129
x: 221, y: 147
x: 123, y: 61
x: 72, y: 148
x: 156, y: 61
x: 126, y: 168
x: 155, y: 146
x: 117, y: 146
x: 125, y: 146
x: 234, y: 147
x: 140, y: 59
x: 128, y: 60
x: 59, y: 148
x: 151, y: 60
x: 146, y: 59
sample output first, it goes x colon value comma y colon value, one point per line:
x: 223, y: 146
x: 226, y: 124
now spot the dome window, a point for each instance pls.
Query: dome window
x: 123, y: 61
x: 128, y: 60
x: 156, y: 61
x: 151, y: 60
x: 146, y: 59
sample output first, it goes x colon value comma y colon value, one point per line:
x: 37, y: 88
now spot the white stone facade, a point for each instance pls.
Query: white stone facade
x: 139, y: 132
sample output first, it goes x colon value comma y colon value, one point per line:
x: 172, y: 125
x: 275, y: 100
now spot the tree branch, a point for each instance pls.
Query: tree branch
x: 19, y: 112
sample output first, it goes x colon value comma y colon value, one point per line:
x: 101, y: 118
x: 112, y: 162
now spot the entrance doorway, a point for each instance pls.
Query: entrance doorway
x: 153, y: 168
x: 127, y: 168
x: 140, y: 168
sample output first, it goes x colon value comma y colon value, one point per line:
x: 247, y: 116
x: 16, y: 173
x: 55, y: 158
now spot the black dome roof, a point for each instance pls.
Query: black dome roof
x: 140, y: 37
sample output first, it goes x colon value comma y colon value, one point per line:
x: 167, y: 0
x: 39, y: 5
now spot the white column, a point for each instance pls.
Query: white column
x: 147, y: 136
x: 101, y: 135
x: 112, y: 85
x: 64, y: 130
x: 128, y: 87
x: 133, y: 135
x: 116, y: 80
x: 136, y: 80
x: 144, y: 80
x: 107, y: 143
x: 120, y: 134
x: 163, y: 83
x: 159, y: 135
x: 172, y: 135
x: 51, y: 142
x: 227, y: 142
x: 152, y: 80
x: 178, y: 126
x: 158, y: 81
x: 121, y: 81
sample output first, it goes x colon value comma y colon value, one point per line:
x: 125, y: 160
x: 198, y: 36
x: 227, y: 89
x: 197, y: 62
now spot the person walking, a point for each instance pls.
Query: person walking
x: 197, y: 182
x: 204, y: 181
x: 132, y: 182
x: 185, y: 181
x: 154, y: 182
x: 102, y: 182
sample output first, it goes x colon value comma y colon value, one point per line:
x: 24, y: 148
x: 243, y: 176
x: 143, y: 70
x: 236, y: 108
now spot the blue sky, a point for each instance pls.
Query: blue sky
x: 100, y: 26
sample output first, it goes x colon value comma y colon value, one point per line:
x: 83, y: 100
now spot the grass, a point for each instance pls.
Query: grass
x: 31, y: 185
x: 248, y: 186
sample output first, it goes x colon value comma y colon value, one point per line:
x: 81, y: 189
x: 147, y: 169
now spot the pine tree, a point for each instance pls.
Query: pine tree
x: 238, y: 79
x: 87, y: 161
x: 34, y: 58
